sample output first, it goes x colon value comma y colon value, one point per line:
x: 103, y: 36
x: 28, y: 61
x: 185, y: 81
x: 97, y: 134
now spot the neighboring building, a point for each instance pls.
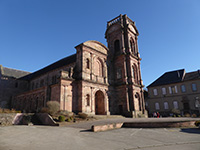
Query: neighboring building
x: 8, y: 86
x: 174, y: 90
x: 95, y: 80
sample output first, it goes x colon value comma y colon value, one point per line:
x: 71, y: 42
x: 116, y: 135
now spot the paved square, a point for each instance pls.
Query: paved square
x: 70, y: 138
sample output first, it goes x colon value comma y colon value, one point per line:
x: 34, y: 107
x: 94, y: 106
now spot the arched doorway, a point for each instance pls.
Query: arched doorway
x: 99, y: 103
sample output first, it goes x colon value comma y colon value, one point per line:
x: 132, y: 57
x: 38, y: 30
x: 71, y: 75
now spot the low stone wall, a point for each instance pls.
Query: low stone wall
x: 6, y: 118
x: 98, y: 128
x: 167, y: 124
x: 177, y: 124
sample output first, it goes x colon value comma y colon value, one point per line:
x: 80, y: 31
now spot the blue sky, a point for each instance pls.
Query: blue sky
x: 36, y: 33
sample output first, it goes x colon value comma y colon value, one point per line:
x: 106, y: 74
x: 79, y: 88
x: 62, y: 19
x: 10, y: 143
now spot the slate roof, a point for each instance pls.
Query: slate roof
x: 12, y: 72
x: 192, y: 75
x: 176, y: 76
x: 65, y: 61
x: 169, y: 77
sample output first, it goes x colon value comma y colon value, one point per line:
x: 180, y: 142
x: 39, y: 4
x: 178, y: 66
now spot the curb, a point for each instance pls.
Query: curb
x: 174, y: 124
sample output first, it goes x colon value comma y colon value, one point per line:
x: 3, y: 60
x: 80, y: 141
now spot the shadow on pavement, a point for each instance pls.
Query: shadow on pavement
x: 89, y: 130
x: 191, y: 130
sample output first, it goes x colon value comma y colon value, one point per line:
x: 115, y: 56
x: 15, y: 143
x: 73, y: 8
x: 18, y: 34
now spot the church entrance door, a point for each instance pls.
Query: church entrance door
x: 99, y: 103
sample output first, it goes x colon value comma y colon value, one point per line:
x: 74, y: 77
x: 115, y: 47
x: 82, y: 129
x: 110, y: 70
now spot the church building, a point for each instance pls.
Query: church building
x: 96, y: 80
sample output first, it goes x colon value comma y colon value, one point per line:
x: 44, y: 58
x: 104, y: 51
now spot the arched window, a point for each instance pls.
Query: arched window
x: 98, y: 69
x: 194, y: 87
x: 157, y: 106
x: 166, y: 106
x: 175, y: 103
x: 132, y: 44
x: 164, y: 91
x: 155, y: 92
x: 133, y: 72
x: 87, y: 63
x: 135, y: 75
x: 87, y: 100
x: 117, y: 46
x: 183, y: 89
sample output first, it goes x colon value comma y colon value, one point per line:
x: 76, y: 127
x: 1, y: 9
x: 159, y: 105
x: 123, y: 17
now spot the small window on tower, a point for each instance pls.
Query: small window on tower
x: 132, y: 46
x: 119, y: 73
x: 117, y: 46
x: 87, y: 63
x: 133, y: 69
x: 88, y: 100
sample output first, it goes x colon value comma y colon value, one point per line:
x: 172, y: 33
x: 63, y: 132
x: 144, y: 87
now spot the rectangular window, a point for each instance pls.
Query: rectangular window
x: 183, y: 89
x: 194, y: 87
x: 155, y: 92
x: 164, y: 91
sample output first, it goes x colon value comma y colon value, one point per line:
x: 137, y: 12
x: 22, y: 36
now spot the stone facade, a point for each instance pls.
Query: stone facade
x: 95, y: 80
x: 175, y: 90
x: 9, y: 86
x: 124, y: 76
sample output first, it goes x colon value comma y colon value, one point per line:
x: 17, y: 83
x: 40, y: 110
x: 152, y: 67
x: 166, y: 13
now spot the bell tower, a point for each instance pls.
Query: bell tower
x: 124, y: 76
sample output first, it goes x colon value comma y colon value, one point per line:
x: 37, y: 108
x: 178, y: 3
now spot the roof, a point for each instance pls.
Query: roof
x: 12, y: 72
x: 95, y: 45
x: 192, y: 75
x: 169, y: 77
x: 58, y: 64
